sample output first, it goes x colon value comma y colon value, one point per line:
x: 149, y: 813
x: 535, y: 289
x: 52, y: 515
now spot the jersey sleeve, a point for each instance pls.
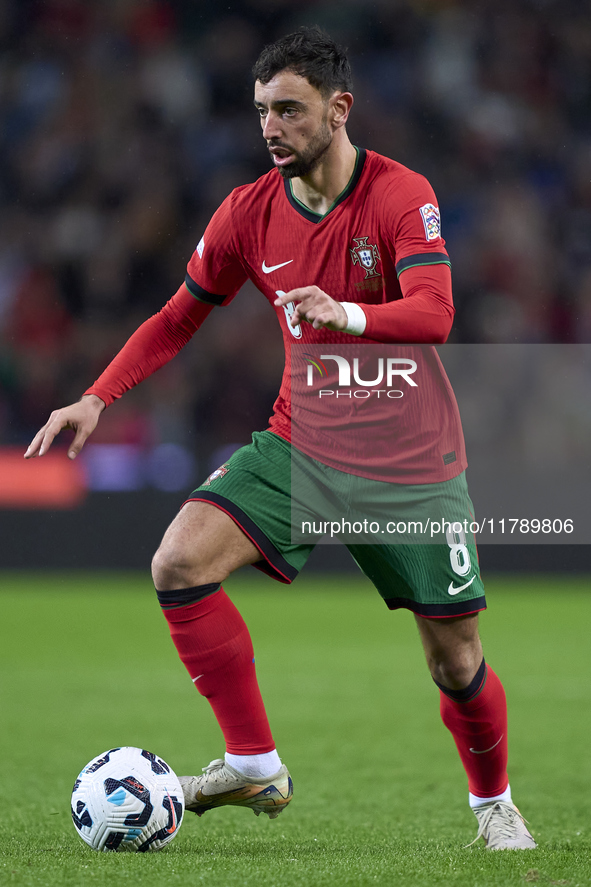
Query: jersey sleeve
x: 413, y: 233
x: 215, y: 272
x: 423, y: 316
x: 415, y: 225
x: 152, y: 345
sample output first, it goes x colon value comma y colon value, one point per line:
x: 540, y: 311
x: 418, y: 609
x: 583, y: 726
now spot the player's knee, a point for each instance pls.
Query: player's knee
x: 176, y: 567
x: 455, y: 669
x: 173, y: 569
x: 163, y: 571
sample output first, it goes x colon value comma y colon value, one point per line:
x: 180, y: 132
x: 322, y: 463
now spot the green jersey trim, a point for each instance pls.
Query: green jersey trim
x: 422, y: 259
x: 315, y: 217
x: 202, y: 295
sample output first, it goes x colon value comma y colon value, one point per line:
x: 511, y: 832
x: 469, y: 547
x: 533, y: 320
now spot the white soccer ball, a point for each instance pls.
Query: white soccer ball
x: 127, y: 799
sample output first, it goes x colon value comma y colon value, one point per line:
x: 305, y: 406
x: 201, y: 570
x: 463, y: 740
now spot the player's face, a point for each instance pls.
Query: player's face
x: 295, y: 123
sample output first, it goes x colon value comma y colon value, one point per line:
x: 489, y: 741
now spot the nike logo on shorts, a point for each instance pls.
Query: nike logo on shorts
x: 452, y: 590
x: 267, y: 269
x: 476, y: 751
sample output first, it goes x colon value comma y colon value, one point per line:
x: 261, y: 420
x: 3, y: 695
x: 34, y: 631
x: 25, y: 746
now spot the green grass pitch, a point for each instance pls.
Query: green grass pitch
x: 380, y: 796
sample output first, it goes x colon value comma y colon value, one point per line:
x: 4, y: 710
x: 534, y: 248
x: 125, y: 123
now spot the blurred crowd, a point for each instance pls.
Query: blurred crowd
x: 124, y: 124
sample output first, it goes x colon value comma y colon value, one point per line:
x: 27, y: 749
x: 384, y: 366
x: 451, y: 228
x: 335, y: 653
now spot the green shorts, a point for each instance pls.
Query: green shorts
x: 254, y: 487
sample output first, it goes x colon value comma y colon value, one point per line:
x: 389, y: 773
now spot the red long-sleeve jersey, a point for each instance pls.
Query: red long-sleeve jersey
x: 380, y: 246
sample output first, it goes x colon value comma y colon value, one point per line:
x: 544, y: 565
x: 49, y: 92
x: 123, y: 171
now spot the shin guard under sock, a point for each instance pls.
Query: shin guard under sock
x: 477, y: 719
x: 215, y: 646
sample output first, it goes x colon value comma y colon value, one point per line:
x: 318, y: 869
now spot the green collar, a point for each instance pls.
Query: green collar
x: 318, y: 217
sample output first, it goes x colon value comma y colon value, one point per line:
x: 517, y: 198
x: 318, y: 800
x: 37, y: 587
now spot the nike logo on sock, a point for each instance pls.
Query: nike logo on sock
x: 267, y: 269
x: 476, y: 751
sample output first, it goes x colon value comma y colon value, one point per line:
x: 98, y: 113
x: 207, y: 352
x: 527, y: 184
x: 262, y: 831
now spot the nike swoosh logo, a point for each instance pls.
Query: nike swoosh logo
x: 453, y: 590
x: 476, y: 751
x: 173, y: 827
x: 268, y: 269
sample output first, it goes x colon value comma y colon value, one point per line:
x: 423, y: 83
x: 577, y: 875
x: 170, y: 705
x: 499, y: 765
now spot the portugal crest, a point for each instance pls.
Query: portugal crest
x: 367, y: 255
x: 219, y: 472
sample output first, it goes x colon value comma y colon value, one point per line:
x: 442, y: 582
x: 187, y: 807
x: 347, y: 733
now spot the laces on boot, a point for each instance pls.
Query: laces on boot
x: 212, y: 769
x: 506, y: 825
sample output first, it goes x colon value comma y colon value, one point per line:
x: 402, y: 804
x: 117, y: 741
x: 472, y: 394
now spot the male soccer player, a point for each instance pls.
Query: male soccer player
x: 345, y: 245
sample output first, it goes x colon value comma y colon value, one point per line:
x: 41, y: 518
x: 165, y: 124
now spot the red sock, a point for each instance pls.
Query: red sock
x: 479, y: 729
x: 215, y: 646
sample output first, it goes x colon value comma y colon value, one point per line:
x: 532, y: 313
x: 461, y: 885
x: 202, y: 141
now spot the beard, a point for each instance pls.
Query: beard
x: 307, y: 161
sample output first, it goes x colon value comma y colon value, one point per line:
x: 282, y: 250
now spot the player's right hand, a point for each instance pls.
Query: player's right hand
x: 81, y: 417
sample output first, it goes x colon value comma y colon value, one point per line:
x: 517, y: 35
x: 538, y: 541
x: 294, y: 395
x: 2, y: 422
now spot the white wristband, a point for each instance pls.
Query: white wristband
x: 356, y: 319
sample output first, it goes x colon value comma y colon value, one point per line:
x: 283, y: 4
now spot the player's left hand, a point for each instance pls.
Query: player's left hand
x: 316, y: 307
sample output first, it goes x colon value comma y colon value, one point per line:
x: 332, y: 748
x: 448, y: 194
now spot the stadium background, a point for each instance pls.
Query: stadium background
x: 123, y: 125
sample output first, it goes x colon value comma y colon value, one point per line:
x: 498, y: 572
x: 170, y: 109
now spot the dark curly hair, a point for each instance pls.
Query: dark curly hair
x: 312, y: 54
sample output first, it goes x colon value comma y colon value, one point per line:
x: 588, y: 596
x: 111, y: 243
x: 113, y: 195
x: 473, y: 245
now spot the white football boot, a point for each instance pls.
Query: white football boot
x: 502, y: 827
x: 221, y: 784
